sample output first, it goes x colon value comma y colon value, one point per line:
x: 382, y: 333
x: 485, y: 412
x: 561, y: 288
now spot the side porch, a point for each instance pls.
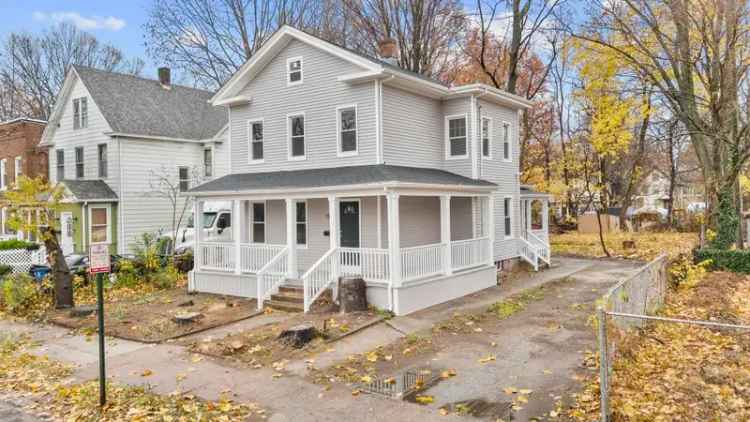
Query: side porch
x: 414, y: 247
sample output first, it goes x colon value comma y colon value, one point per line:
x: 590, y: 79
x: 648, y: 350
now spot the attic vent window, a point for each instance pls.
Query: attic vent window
x: 294, y: 71
x: 80, y: 113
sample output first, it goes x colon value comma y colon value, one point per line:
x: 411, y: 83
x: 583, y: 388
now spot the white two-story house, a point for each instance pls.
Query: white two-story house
x: 343, y: 164
x: 117, y: 142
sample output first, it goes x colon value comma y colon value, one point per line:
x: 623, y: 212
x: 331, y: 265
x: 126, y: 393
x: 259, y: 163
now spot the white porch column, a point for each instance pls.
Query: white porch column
x: 394, y: 238
x: 291, y: 238
x: 490, y: 219
x: 236, y: 234
x: 528, y: 217
x: 445, y: 233
x: 198, y: 233
x: 545, y: 216
x: 333, y: 231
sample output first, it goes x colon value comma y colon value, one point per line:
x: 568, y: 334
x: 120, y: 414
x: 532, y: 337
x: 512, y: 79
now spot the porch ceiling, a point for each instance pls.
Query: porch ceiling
x: 340, y: 177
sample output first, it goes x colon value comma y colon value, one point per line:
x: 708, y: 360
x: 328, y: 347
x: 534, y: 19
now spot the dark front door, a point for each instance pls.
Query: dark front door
x: 349, y: 221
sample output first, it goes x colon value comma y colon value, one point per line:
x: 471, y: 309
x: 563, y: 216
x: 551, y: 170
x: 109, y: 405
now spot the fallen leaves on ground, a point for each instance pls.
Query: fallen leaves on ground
x: 47, y: 384
x: 679, y: 372
x: 648, y: 244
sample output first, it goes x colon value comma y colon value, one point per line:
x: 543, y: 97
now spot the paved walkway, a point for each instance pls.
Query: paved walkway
x: 290, y: 397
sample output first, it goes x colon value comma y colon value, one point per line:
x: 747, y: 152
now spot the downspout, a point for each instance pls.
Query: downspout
x: 121, y: 203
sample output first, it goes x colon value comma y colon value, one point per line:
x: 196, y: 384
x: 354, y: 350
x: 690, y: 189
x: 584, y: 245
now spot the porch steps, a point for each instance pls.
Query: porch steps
x: 290, y: 298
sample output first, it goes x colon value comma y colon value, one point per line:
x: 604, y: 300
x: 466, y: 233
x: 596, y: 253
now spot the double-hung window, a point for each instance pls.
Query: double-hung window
x: 297, y: 137
x: 486, y: 137
x: 347, y: 130
x: 60, y: 154
x: 255, y: 134
x: 259, y: 222
x: 80, y: 113
x: 183, y: 173
x: 301, y: 220
x: 17, y: 169
x: 507, y: 210
x: 455, y: 127
x: 294, y: 71
x: 208, y: 162
x: 99, y: 224
x: 506, y: 142
x: 101, y: 155
x: 79, y: 163
x: 3, y: 176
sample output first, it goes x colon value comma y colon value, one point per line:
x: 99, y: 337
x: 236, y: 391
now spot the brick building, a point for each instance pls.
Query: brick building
x: 20, y: 154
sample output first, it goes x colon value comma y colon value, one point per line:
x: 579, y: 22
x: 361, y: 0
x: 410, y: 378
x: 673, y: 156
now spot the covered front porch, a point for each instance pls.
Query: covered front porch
x: 400, y: 240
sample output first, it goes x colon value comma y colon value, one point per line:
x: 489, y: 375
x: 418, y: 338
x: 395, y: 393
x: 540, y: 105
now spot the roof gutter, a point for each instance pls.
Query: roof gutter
x: 121, y: 135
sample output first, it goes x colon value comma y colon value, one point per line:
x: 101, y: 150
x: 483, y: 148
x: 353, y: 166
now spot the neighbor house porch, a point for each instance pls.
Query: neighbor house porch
x: 414, y: 246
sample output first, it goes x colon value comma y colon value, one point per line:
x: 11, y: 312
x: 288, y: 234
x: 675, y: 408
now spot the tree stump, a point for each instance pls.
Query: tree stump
x: 628, y: 244
x: 187, y: 317
x: 82, y: 311
x: 352, y: 294
x: 298, y: 336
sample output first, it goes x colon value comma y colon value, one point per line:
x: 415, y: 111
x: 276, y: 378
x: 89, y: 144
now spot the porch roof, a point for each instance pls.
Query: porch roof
x: 339, y: 176
x: 89, y: 190
x: 529, y: 192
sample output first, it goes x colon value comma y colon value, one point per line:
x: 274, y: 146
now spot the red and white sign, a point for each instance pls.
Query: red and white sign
x: 99, y: 259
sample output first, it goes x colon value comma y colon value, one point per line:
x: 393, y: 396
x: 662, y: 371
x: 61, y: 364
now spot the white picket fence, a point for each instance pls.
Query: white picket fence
x: 21, y: 260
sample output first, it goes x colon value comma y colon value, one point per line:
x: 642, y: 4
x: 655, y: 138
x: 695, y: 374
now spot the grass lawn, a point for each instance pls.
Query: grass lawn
x: 149, y: 316
x: 678, y: 372
x: 648, y: 245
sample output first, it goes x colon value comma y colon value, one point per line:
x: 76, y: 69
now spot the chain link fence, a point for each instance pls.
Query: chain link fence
x: 633, y: 303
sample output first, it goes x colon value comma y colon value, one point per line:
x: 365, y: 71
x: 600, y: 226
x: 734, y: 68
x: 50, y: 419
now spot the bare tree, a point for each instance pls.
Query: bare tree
x: 33, y: 67
x: 167, y: 183
x: 211, y: 39
x: 427, y: 31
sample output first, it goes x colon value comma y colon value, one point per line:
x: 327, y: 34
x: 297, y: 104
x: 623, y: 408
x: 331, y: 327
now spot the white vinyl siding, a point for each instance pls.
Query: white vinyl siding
x: 318, y: 98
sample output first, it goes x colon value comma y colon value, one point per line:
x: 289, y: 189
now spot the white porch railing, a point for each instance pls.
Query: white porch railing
x: 272, y: 275
x: 469, y: 253
x: 541, y: 245
x: 528, y: 253
x: 319, y: 277
x: 217, y: 256
x: 421, y: 261
x: 253, y: 256
x: 370, y: 263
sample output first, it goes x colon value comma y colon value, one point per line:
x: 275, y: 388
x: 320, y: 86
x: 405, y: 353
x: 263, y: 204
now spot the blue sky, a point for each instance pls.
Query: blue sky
x: 117, y: 22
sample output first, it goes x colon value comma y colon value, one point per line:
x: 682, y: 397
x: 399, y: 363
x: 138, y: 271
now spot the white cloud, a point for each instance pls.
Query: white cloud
x: 82, y: 22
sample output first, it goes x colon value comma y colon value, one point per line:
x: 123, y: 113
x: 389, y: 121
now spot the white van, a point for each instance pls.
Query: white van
x: 216, y: 226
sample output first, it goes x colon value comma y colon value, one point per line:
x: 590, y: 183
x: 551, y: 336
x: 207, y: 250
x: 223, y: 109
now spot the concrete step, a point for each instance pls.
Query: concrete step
x: 285, y: 306
x: 295, y: 297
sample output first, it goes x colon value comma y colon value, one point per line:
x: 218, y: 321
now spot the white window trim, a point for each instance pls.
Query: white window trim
x: 109, y: 224
x: 250, y: 159
x: 17, y: 168
x: 289, y: 116
x: 180, y: 179
x: 99, y: 161
x: 83, y: 162
x: 209, y: 148
x: 510, y: 143
x: 489, y: 139
x: 265, y: 222
x: 307, y: 224
x: 339, y: 151
x: 446, y: 125
x: 301, y: 71
x: 506, y: 215
x: 57, y: 164
x: 3, y: 175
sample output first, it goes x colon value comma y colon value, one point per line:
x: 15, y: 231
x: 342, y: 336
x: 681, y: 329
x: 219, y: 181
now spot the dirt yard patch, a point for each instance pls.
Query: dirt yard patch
x: 647, y: 245
x: 518, y: 357
x: 151, y: 317
x: 679, y: 372
x: 259, y: 347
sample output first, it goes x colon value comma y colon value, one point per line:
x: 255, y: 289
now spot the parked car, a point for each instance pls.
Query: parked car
x: 77, y: 264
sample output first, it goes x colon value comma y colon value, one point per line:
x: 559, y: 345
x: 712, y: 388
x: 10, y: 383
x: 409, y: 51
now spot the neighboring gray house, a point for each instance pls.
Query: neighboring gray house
x: 342, y: 164
x: 111, y: 137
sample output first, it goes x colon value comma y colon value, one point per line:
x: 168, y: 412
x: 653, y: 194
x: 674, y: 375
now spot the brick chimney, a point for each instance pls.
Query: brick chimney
x: 165, y: 77
x: 388, y: 50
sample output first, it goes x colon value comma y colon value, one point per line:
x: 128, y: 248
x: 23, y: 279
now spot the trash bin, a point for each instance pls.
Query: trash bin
x: 39, y: 271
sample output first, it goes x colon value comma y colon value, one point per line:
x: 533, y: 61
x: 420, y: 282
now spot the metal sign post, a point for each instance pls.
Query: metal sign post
x: 99, y: 264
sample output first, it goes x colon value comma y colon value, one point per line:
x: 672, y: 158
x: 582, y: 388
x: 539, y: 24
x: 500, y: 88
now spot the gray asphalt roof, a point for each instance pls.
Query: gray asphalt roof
x: 337, y: 176
x: 86, y: 190
x: 142, y: 106
x: 526, y: 190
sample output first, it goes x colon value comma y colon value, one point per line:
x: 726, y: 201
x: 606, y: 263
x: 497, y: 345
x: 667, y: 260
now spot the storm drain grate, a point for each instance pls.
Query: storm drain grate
x: 400, y: 386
